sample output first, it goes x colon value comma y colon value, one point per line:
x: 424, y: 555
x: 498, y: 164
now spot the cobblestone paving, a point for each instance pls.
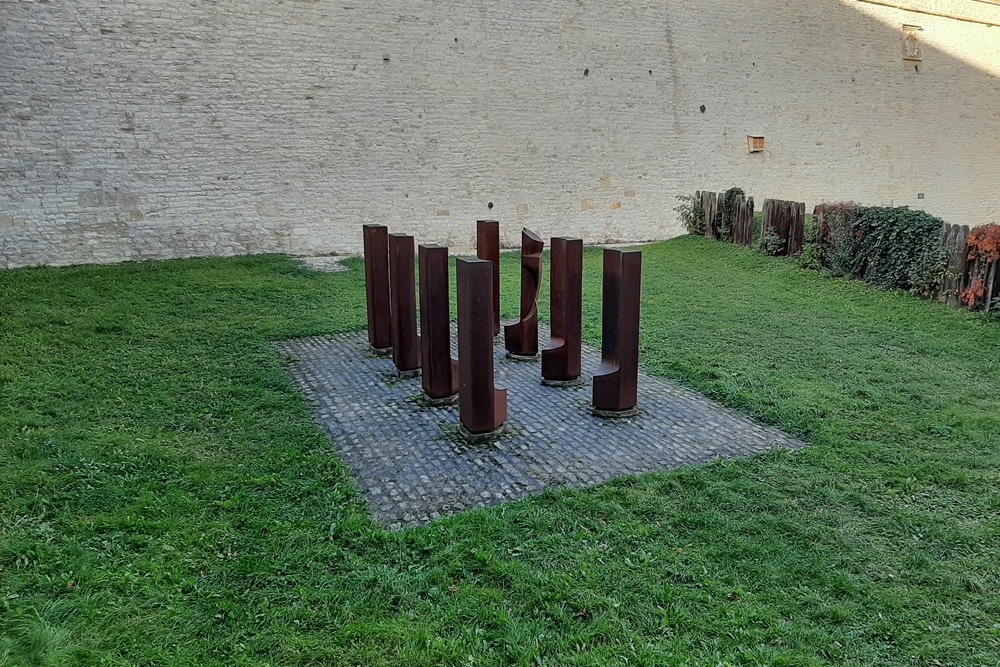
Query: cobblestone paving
x: 413, y: 465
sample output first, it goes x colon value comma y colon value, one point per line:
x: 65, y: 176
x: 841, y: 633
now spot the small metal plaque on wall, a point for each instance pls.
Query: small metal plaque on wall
x: 911, y: 43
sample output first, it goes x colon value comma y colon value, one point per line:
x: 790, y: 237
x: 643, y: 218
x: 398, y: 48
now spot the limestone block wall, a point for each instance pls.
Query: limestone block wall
x: 165, y: 128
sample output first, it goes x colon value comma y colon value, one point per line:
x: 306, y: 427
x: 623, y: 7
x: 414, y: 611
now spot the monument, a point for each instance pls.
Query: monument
x: 617, y: 377
x: 376, y: 241
x: 521, y: 338
x: 561, y: 356
x: 488, y: 248
x: 439, y: 374
x: 403, y: 306
x: 482, y: 407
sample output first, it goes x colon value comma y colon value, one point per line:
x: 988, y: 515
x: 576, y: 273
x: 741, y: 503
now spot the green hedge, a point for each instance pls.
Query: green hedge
x: 899, y: 248
x: 891, y: 247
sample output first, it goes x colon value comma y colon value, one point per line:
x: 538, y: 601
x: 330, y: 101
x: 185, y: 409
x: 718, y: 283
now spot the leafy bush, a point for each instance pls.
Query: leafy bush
x: 811, y: 257
x: 984, y: 244
x: 841, y: 256
x: 771, y: 244
x: 898, y: 248
x: 984, y: 250
x: 692, y: 214
x: 892, y: 248
x: 929, y: 269
x: 730, y: 203
x: 836, y: 237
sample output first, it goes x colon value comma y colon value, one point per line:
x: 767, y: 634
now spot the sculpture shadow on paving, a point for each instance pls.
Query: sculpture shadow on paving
x: 413, y: 465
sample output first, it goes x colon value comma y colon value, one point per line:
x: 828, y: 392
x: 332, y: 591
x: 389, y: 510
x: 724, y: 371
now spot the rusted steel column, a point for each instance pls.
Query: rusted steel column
x: 488, y: 248
x: 521, y: 338
x: 561, y: 356
x: 403, y: 306
x: 439, y: 371
x: 616, y: 381
x: 482, y: 407
x: 376, y: 239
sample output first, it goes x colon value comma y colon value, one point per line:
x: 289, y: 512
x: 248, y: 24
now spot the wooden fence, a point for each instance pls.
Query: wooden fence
x: 788, y: 220
x: 712, y: 211
x: 743, y: 227
x: 962, y: 272
x: 953, y: 238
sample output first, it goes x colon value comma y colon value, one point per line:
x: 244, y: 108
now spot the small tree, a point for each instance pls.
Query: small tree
x: 692, y: 214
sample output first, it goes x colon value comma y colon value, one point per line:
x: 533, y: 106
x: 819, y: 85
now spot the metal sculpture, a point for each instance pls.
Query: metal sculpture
x: 403, y: 306
x: 561, y: 356
x: 488, y: 248
x: 439, y: 371
x: 521, y: 338
x: 482, y: 407
x: 376, y: 240
x: 616, y: 379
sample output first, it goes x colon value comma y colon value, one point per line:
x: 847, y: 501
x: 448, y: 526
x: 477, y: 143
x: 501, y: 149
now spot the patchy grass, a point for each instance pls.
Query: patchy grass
x: 165, y: 498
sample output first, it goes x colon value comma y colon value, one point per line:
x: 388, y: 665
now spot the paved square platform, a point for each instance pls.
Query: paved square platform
x: 413, y: 465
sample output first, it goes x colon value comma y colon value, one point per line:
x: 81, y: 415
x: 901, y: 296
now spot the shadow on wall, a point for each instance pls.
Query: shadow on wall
x: 853, y: 117
x: 284, y: 127
x: 947, y: 36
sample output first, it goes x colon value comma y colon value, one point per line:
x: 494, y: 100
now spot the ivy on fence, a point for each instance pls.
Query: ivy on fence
x: 889, y: 247
x: 784, y: 226
x: 725, y: 217
x: 899, y: 248
x: 983, y: 290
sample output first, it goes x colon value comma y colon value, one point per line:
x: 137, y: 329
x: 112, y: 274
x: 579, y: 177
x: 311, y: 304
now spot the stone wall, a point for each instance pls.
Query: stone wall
x: 161, y: 128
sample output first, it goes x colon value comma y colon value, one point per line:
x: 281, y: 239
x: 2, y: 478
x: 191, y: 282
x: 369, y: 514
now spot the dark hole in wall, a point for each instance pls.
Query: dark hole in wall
x: 490, y: 205
x: 586, y: 72
x: 702, y: 107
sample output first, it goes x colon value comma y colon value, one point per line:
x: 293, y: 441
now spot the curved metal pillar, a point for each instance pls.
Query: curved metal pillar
x: 488, y: 248
x: 561, y: 356
x: 617, y: 377
x: 521, y: 338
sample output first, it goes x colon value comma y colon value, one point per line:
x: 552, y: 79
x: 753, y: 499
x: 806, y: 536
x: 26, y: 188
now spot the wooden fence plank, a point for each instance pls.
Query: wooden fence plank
x: 710, y: 205
x: 743, y: 226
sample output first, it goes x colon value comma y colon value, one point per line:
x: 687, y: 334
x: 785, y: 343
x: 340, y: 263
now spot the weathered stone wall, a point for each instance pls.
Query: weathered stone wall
x: 152, y: 129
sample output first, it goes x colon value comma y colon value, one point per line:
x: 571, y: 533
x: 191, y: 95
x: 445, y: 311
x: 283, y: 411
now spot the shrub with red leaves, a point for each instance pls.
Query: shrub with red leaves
x: 984, y: 251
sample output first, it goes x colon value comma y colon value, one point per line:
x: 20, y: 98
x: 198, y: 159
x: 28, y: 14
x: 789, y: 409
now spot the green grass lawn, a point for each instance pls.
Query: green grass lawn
x: 166, y: 499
